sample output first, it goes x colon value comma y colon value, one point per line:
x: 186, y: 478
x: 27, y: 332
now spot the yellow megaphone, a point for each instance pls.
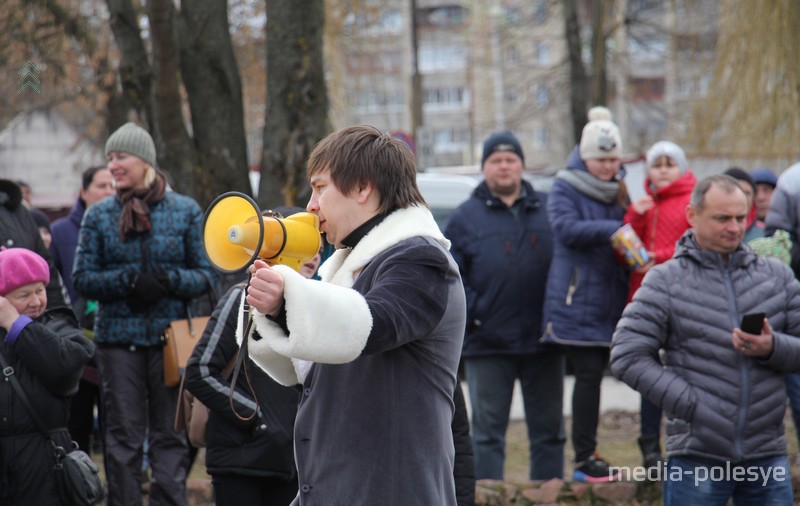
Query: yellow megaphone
x: 235, y: 233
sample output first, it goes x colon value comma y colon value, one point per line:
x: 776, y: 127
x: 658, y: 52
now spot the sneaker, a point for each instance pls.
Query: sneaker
x: 593, y: 470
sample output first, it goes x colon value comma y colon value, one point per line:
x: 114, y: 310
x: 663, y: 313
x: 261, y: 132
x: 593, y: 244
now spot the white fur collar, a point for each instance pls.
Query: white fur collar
x: 341, y: 268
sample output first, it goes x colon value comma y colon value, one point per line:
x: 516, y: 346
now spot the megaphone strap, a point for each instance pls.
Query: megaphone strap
x: 241, y: 363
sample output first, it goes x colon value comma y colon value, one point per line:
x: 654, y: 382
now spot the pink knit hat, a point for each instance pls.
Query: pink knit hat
x: 20, y: 267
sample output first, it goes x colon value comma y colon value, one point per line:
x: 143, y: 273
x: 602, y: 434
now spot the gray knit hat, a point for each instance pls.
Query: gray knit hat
x: 133, y: 139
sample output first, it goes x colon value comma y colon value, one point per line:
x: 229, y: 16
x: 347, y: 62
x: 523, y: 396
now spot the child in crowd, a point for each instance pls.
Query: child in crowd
x: 659, y: 219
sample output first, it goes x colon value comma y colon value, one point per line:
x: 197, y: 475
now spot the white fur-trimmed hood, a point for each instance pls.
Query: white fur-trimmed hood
x: 328, y: 321
x: 341, y: 268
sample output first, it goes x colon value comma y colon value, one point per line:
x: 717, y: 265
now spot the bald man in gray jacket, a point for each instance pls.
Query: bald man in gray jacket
x: 721, y: 388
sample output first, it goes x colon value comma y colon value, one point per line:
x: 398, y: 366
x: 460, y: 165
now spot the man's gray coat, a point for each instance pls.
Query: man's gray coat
x: 376, y: 346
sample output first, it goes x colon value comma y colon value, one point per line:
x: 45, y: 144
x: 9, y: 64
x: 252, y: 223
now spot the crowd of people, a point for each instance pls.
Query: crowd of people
x: 351, y: 365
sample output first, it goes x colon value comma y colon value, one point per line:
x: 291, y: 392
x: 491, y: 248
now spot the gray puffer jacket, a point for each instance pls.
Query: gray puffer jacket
x: 719, y: 403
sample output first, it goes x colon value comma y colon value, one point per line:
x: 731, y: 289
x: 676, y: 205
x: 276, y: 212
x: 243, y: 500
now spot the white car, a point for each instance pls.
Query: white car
x: 445, y: 192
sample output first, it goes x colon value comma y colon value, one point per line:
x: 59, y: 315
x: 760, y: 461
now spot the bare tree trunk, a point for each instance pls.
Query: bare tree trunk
x: 577, y: 72
x: 297, y: 99
x: 176, y: 154
x: 599, y: 81
x: 134, y: 68
x: 211, y: 77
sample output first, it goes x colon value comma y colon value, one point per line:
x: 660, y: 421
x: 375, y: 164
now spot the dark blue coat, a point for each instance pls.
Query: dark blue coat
x: 65, y: 241
x: 504, y: 262
x: 587, y: 286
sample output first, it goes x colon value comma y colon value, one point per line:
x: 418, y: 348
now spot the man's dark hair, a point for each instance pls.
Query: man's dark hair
x: 88, y: 175
x: 361, y: 154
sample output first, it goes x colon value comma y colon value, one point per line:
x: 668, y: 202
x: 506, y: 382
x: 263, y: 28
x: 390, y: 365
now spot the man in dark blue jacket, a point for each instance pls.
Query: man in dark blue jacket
x: 502, y: 242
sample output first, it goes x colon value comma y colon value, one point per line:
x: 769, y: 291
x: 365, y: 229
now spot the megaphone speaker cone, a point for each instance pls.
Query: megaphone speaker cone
x: 228, y: 211
x: 235, y: 234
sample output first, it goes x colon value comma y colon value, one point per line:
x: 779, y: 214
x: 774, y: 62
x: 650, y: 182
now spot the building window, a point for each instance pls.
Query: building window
x: 542, y: 95
x: 450, y: 140
x: 386, y: 62
x: 374, y: 24
x: 512, y: 98
x: 541, y: 137
x: 379, y: 100
x: 540, y: 13
x: 445, y: 98
x: 685, y: 87
x: 542, y: 53
x: 512, y: 55
x: 436, y: 58
x: 442, y: 17
x: 513, y: 15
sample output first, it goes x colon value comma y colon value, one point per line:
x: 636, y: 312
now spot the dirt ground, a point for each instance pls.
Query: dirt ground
x: 616, y: 441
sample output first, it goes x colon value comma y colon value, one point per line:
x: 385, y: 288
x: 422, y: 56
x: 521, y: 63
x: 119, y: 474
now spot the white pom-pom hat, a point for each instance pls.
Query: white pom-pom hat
x: 600, y: 137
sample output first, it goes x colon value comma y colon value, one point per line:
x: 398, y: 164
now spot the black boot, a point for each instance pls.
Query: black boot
x: 651, y: 451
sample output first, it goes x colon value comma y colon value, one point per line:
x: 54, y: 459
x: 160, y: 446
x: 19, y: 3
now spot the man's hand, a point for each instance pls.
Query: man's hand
x: 266, y: 289
x: 754, y: 345
x: 8, y: 313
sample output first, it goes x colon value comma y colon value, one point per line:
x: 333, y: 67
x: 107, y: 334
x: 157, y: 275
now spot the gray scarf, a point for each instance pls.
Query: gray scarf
x: 604, y: 191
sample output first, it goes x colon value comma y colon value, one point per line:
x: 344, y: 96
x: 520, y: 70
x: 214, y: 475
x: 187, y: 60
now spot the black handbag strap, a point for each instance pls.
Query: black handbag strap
x: 10, y: 375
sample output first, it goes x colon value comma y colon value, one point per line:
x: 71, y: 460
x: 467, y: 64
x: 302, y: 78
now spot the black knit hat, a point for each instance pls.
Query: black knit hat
x: 741, y: 175
x: 502, y: 141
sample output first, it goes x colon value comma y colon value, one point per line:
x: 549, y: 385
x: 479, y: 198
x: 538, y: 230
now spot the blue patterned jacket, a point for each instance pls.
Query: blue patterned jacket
x: 105, y: 267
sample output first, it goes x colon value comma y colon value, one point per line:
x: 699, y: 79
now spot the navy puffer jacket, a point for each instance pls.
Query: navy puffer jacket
x: 503, y: 261
x: 720, y: 404
x: 587, y: 286
x: 105, y: 267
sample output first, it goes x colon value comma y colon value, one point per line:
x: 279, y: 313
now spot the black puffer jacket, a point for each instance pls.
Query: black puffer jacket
x: 48, y: 358
x: 233, y: 446
x: 720, y: 404
x: 18, y: 230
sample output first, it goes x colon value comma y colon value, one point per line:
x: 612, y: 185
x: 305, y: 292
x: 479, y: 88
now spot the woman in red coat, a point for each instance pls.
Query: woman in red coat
x: 659, y: 219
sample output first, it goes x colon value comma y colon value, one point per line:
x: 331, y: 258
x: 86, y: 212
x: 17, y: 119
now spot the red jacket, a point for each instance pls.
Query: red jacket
x: 663, y: 224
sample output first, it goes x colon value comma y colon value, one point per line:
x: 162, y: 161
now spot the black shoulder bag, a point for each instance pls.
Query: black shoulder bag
x: 78, y: 477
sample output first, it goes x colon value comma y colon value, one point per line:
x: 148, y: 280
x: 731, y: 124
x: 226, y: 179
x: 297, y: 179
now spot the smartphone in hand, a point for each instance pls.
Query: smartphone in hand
x: 752, y: 323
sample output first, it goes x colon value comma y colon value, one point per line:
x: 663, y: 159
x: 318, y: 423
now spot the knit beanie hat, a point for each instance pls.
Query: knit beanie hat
x: 502, y: 141
x: 671, y: 151
x: 740, y: 174
x: 764, y: 176
x: 133, y: 139
x: 20, y: 267
x: 600, y: 137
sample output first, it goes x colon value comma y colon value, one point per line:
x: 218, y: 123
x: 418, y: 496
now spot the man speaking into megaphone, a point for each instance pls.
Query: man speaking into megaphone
x: 376, y: 344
